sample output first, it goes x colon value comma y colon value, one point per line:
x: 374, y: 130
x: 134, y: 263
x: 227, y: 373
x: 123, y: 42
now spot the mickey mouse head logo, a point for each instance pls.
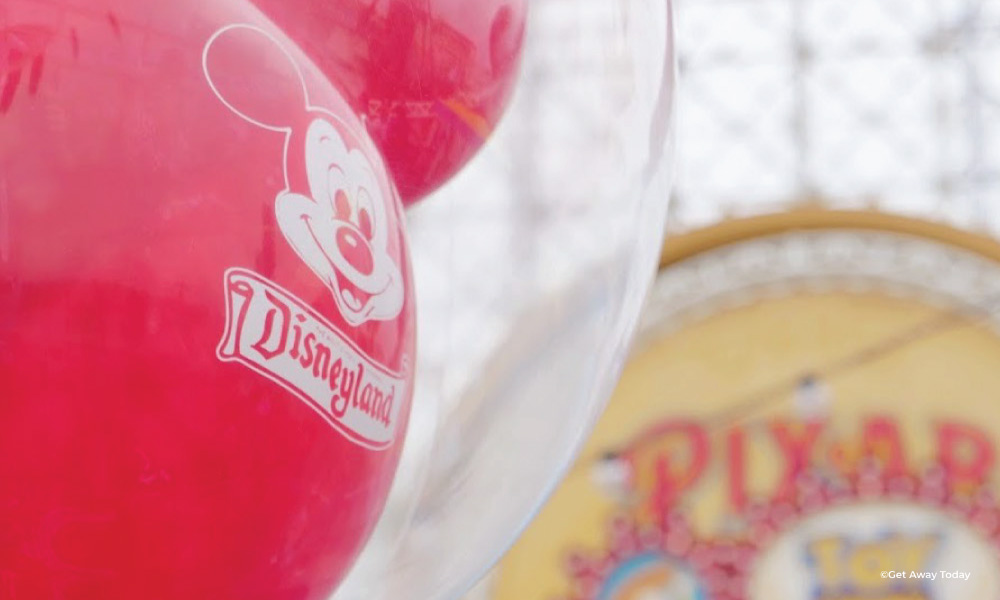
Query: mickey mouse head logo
x: 339, y: 225
x: 340, y: 230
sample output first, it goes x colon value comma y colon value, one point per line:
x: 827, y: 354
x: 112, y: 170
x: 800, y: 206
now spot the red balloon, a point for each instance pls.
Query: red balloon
x: 206, y: 310
x: 431, y: 77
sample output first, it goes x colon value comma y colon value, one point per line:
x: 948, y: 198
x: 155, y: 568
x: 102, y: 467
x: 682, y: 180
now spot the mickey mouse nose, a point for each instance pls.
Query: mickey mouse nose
x: 355, y: 249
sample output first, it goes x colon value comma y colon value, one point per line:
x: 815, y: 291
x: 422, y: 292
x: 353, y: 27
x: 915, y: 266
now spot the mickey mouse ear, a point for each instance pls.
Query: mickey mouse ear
x: 255, y: 76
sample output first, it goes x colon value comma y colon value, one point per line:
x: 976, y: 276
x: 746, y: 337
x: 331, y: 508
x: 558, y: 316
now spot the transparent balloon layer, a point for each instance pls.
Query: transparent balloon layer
x: 531, y: 267
x: 208, y: 317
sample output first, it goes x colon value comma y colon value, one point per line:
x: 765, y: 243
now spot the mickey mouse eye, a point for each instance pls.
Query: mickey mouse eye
x: 342, y: 206
x: 365, y: 223
x: 366, y: 215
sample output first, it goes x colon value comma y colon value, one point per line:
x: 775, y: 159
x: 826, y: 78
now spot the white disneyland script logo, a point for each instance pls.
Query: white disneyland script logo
x: 340, y: 229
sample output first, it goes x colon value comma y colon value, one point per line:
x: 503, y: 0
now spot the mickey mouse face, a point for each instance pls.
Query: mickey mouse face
x: 340, y: 230
x: 339, y: 226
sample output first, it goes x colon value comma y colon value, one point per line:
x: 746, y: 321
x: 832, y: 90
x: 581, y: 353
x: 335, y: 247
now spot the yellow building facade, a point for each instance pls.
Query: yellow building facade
x: 811, y: 412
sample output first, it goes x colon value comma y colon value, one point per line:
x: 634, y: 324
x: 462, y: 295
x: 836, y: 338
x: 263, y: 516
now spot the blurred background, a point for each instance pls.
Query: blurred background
x: 812, y: 404
x: 891, y: 105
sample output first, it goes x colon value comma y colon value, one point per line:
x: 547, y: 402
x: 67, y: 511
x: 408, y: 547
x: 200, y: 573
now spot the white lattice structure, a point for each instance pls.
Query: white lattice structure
x: 886, y: 104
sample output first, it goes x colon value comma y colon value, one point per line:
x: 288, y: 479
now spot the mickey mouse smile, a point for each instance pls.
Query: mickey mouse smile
x: 354, y: 289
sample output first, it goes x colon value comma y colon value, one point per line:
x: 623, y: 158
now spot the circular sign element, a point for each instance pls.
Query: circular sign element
x: 802, y: 408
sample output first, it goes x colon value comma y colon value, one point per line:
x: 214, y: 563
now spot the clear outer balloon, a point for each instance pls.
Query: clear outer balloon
x: 532, y: 263
x: 431, y: 77
x: 206, y: 308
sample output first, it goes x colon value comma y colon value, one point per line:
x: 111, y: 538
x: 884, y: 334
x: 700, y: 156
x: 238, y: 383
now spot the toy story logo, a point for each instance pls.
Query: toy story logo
x: 797, y: 510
